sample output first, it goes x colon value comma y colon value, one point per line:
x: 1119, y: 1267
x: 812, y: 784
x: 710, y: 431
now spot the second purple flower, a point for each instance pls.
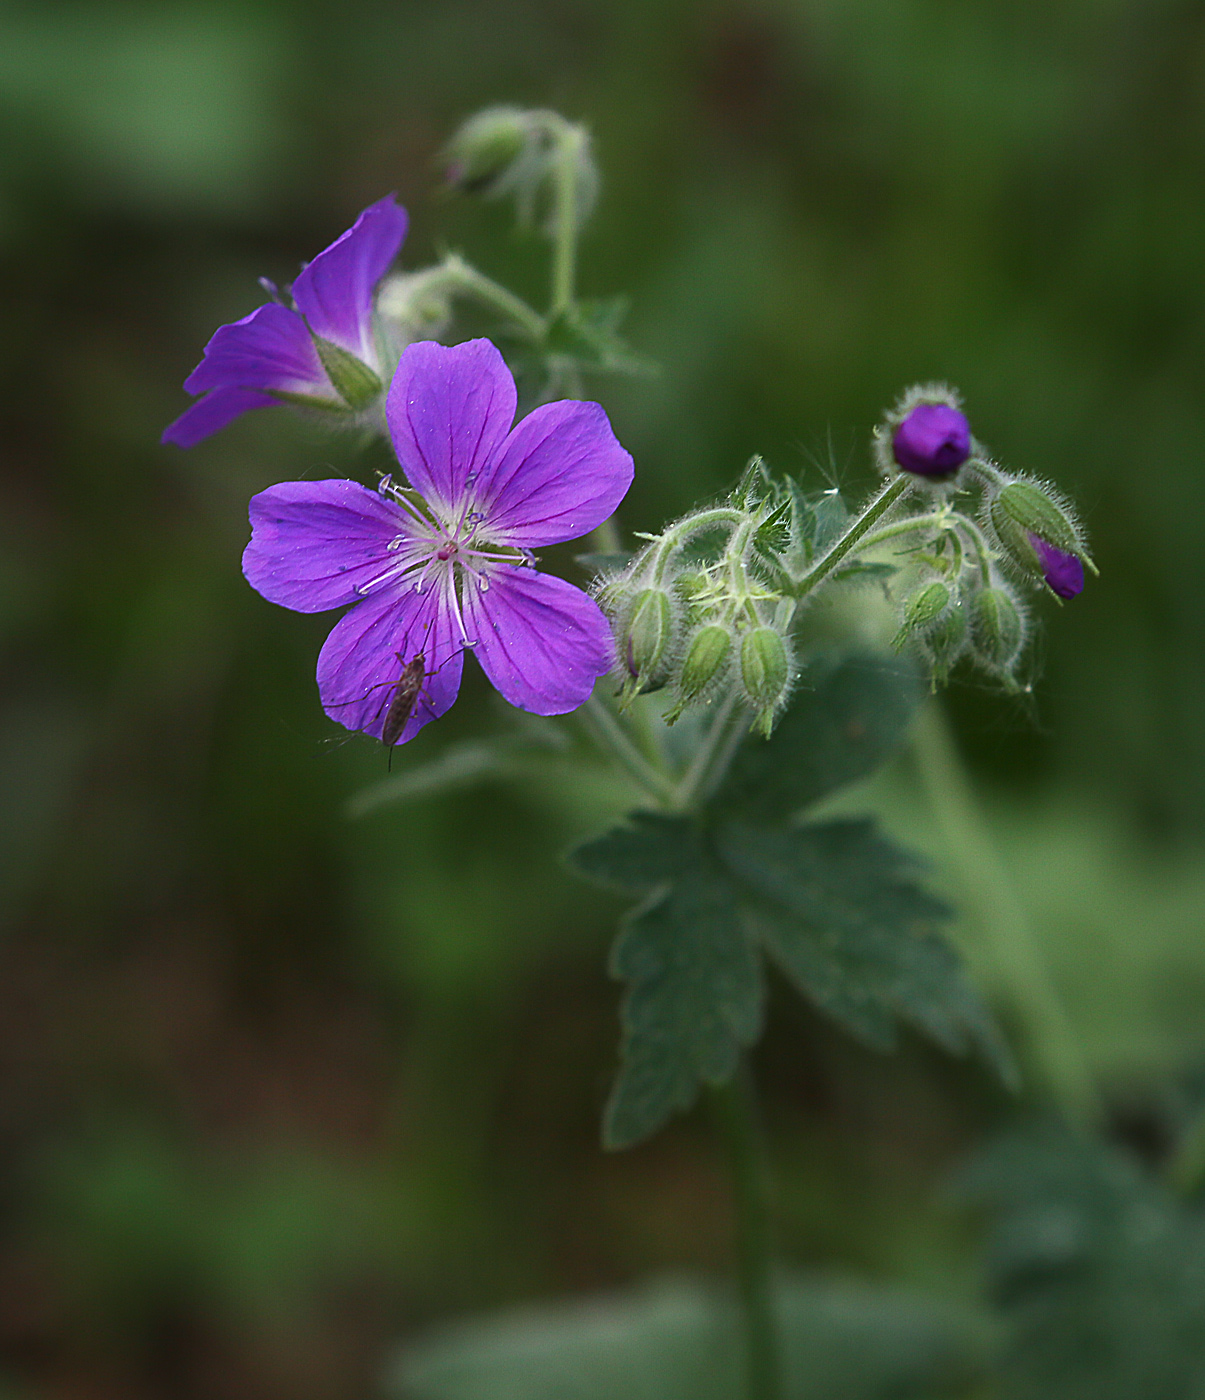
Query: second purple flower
x: 444, y: 565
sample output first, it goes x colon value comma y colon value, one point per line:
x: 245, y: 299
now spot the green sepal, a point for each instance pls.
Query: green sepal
x: 357, y: 383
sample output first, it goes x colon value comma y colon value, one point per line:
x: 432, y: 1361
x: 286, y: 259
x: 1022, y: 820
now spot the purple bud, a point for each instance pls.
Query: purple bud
x: 1063, y: 572
x: 934, y: 440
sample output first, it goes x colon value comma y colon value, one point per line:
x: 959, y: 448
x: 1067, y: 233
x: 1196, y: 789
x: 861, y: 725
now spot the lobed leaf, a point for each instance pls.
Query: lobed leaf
x: 851, y: 713
x: 838, y: 909
x: 695, y: 982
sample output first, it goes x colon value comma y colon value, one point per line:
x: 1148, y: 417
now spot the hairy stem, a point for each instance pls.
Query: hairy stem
x: 710, y: 760
x: 610, y: 736
x: 570, y: 139
x: 735, y: 1111
x: 875, y: 511
x: 463, y: 277
x: 989, y: 895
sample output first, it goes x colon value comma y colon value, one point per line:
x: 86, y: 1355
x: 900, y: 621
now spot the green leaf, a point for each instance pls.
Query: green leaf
x: 850, y: 714
x: 681, y: 1341
x: 1097, y: 1268
x: 696, y: 992
x: 588, y: 336
x: 773, y: 535
x: 838, y: 908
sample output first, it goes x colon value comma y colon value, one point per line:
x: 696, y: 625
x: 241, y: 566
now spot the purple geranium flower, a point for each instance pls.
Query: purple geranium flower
x: 444, y: 564
x: 322, y: 351
x: 933, y: 440
x: 1063, y: 572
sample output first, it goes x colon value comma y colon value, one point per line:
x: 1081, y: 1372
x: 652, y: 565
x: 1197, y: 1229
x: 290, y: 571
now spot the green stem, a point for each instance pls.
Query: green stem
x: 677, y: 535
x: 463, y: 277
x: 609, y: 734
x: 565, y: 216
x: 992, y: 901
x: 902, y: 527
x: 736, y: 1116
x: 879, y: 507
x: 710, y: 760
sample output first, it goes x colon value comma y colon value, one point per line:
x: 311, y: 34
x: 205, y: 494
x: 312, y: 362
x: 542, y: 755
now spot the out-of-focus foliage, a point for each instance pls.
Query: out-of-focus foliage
x: 277, y: 1087
x: 675, y: 1341
x: 837, y: 908
x: 1099, y: 1269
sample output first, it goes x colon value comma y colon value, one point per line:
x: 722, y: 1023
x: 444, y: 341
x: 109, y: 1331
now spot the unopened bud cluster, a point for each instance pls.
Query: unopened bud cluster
x: 697, y: 613
x: 986, y: 532
x: 711, y: 606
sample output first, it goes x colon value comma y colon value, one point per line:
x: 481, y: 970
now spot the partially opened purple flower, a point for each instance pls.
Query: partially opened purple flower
x: 321, y: 352
x: 445, y: 565
x: 1063, y: 572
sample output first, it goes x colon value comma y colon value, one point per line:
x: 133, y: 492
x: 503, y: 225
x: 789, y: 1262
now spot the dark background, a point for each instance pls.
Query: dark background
x: 278, y: 1087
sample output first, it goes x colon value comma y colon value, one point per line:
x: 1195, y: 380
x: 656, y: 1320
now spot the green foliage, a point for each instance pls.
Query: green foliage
x: 587, y: 337
x: 695, y: 979
x: 678, y: 1341
x: 849, y: 715
x: 834, y: 904
x: 1099, y: 1269
x: 837, y: 907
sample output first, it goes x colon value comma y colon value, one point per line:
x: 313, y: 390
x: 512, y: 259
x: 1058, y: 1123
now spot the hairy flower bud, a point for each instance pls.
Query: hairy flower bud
x: 482, y: 153
x: 946, y: 640
x: 1063, y: 572
x: 706, y: 659
x: 934, y: 439
x: 923, y: 609
x: 645, y: 640
x: 1039, y: 535
x: 997, y: 629
x: 765, y: 673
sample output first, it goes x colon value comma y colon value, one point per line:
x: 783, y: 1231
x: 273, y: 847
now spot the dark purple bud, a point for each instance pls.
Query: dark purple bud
x: 934, y: 440
x: 1063, y: 572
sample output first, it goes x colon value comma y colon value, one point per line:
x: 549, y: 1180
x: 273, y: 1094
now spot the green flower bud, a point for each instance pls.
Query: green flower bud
x: 923, y: 609
x: 706, y: 658
x: 997, y: 629
x: 765, y: 672
x: 945, y: 641
x: 645, y: 640
x: 1022, y: 510
x: 482, y: 152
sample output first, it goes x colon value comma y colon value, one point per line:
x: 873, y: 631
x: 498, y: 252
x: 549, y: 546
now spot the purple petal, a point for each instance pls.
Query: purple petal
x: 314, y: 543
x: 449, y: 409
x: 542, y: 642
x: 365, y: 654
x: 1063, y: 572
x: 560, y: 474
x: 212, y: 412
x: 334, y: 292
x: 269, y: 349
x: 934, y: 440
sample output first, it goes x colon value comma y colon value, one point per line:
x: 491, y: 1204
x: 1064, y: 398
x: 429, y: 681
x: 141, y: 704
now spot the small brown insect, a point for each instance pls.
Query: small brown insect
x: 405, y: 697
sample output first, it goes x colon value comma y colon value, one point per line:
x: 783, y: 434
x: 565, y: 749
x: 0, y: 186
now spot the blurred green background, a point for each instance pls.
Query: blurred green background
x: 278, y: 1087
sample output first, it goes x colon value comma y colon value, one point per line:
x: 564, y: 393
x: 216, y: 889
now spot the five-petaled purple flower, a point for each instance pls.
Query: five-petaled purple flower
x: 1063, y: 572
x: 322, y: 352
x: 445, y: 565
x: 933, y: 440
